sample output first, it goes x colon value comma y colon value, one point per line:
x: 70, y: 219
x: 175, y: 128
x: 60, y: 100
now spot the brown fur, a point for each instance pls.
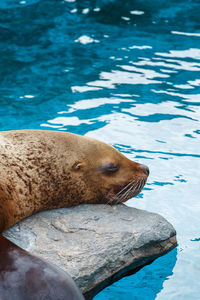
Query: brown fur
x: 38, y: 171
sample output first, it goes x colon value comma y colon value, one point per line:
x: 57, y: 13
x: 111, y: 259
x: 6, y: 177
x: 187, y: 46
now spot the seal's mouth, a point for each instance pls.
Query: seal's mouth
x: 130, y: 190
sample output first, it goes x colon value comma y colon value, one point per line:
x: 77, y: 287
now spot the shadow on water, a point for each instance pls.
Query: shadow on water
x: 146, y: 284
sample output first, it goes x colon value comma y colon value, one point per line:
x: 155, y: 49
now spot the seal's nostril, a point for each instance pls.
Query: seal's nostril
x: 145, y: 169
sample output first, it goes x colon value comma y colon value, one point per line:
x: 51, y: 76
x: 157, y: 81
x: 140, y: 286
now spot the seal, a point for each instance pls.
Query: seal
x: 42, y: 170
x: 26, y: 277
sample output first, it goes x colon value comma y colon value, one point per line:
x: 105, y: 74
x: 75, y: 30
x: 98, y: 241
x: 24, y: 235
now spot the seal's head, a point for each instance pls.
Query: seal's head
x: 105, y: 175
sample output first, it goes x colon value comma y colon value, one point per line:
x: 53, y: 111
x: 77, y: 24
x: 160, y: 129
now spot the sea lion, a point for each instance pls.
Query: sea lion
x: 26, y: 277
x: 43, y: 170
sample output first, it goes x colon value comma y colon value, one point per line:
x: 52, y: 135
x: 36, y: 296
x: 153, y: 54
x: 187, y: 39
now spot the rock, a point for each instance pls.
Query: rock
x: 95, y: 244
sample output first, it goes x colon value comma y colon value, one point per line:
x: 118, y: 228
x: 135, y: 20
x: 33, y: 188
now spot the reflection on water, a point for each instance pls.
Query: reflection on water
x: 125, y: 72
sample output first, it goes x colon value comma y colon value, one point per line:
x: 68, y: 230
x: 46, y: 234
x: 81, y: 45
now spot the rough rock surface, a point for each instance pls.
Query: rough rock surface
x: 95, y: 244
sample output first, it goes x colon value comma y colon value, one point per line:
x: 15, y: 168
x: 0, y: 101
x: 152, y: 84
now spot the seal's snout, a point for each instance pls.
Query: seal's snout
x: 145, y: 169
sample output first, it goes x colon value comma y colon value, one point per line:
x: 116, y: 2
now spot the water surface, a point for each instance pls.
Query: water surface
x: 128, y: 73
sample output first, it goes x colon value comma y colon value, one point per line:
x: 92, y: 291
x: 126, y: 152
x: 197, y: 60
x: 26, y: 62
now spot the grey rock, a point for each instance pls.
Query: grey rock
x: 95, y: 244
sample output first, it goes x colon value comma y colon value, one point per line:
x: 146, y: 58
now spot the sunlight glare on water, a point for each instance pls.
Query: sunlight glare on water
x: 127, y: 73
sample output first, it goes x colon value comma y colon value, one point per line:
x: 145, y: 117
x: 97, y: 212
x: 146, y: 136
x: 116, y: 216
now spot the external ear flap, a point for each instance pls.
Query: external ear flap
x: 77, y: 166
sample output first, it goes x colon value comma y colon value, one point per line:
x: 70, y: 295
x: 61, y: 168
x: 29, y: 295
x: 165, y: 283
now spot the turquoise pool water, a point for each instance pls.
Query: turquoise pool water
x: 128, y: 73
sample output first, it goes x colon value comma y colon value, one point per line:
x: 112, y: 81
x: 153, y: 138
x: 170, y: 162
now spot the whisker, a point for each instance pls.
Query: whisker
x: 128, y: 191
x: 124, y: 188
x: 131, y: 189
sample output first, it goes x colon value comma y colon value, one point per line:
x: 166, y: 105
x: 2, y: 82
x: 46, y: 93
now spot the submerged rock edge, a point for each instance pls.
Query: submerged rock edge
x: 133, y: 266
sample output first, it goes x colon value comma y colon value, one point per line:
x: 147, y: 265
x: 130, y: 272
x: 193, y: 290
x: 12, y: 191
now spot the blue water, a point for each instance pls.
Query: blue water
x: 128, y: 73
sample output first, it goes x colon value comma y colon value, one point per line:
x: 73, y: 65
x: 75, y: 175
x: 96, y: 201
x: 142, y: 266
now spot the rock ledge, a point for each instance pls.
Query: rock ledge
x: 95, y: 244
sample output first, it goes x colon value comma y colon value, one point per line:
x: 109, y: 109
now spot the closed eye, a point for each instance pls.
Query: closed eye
x: 109, y: 168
